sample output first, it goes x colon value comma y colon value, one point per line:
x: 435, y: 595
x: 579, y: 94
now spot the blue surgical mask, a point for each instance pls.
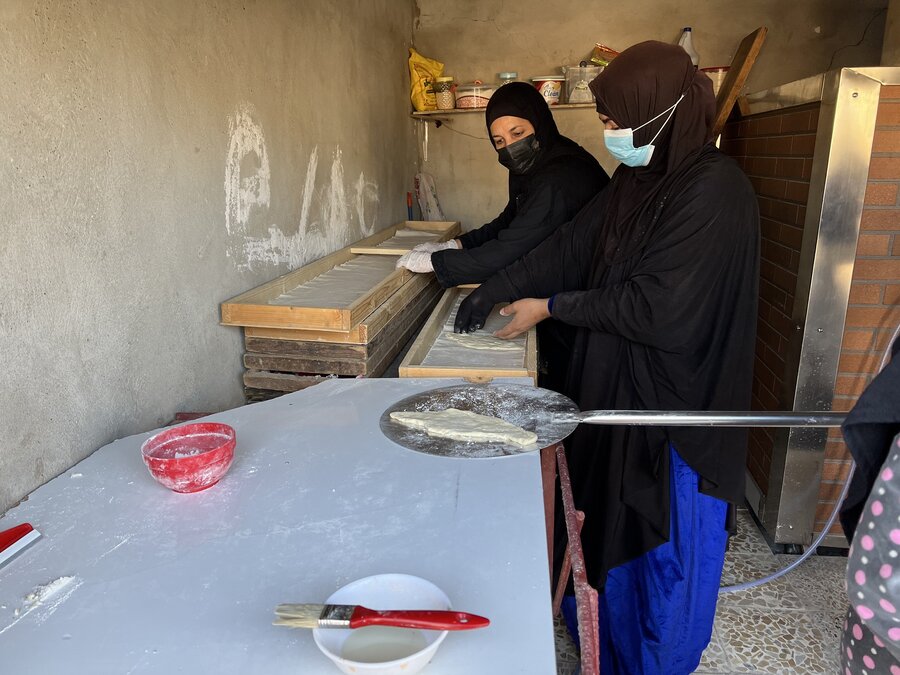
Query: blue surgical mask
x: 620, y: 142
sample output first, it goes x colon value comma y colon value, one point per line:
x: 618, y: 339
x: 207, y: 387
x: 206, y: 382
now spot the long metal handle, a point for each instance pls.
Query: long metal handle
x: 690, y: 418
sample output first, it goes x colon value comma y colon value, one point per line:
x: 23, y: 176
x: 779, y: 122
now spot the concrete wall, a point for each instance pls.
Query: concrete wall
x: 157, y: 158
x: 478, y: 38
x: 890, y: 48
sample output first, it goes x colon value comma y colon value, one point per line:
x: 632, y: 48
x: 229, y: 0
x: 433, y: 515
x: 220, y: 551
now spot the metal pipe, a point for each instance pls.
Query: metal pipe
x: 689, y: 418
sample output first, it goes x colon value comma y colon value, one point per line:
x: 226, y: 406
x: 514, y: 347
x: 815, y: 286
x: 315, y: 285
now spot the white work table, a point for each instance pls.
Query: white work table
x: 316, y: 497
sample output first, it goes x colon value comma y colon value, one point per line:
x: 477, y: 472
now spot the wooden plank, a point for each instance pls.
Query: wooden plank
x: 447, y: 229
x: 432, y: 328
x: 412, y: 366
x: 298, y: 364
x: 253, y: 395
x: 377, y: 356
x: 360, y: 334
x: 305, y: 349
x: 260, y: 379
x: 741, y: 64
x: 389, y: 343
x: 321, y: 351
x: 252, y: 308
x: 255, y: 310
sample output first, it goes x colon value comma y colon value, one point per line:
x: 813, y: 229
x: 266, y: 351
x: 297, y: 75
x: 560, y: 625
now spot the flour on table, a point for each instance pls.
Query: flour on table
x: 463, y: 425
x: 43, y: 593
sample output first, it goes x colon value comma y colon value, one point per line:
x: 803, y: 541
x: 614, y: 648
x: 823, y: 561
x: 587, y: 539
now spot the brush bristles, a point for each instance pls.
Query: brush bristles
x: 298, y: 616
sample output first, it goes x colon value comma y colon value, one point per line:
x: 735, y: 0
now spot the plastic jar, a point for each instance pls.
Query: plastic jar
x: 578, y: 79
x: 506, y: 77
x: 473, y: 95
x: 443, y: 93
x: 717, y: 74
x: 550, y: 87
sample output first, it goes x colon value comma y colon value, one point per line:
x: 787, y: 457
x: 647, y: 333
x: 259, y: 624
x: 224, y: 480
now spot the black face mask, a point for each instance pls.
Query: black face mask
x: 520, y: 156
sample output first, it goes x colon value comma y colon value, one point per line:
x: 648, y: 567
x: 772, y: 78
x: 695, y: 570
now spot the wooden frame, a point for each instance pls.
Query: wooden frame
x: 360, y: 334
x: 411, y: 366
x: 447, y: 229
x: 741, y: 64
x: 252, y: 308
x: 327, y: 358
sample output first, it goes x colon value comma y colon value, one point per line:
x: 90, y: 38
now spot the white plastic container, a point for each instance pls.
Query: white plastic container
x: 473, y: 95
x: 578, y: 79
x: 384, y: 591
x: 550, y: 87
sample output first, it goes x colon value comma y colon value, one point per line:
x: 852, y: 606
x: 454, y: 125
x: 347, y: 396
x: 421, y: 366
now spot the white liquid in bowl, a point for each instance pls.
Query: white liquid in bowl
x: 377, y: 644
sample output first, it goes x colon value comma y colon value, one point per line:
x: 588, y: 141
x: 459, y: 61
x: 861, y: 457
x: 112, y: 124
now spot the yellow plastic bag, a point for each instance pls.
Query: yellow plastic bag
x: 422, y: 73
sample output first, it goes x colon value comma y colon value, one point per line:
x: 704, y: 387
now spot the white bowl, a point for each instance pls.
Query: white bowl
x: 384, y: 591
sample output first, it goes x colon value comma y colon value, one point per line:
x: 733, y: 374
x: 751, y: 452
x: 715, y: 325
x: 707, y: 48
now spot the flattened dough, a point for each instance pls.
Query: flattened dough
x: 462, y: 425
x: 484, y: 341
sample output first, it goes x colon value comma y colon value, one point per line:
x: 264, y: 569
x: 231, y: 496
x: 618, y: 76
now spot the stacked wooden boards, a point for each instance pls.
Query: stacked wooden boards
x: 478, y: 357
x: 345, y: 315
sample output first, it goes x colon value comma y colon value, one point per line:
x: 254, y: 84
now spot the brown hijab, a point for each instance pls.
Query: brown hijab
x: 642, y: 82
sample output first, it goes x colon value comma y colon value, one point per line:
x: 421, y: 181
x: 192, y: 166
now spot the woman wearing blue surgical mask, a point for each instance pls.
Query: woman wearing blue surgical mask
x: 659, y: 275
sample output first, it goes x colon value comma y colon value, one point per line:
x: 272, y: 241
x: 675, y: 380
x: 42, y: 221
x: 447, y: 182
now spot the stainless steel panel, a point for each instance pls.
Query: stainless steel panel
x: 810, y: 89
x: 834, y: 208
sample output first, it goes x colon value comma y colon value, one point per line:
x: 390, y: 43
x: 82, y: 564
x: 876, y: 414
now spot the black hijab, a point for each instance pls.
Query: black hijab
x: 639, y: 84
x: 519, y: 99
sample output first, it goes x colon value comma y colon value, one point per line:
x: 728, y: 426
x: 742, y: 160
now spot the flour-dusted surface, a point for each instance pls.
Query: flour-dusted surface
x: 464, y: 425
x: 480, y: 349
x: 408, y: 238
x: 317, y: 497
x: 482, y: 341
x: 340, y: 286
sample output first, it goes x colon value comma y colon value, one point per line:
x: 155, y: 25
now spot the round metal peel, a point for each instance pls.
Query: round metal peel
x: 550, y: 415
x: 553, y: 417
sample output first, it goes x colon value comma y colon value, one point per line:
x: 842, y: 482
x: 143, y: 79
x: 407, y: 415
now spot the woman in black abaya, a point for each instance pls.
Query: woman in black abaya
x: 659, y: 274
x: 550, y: 179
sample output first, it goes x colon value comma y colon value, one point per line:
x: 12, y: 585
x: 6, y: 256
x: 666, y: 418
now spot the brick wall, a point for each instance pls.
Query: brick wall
x: 874, y: 309
x: 775, y: 151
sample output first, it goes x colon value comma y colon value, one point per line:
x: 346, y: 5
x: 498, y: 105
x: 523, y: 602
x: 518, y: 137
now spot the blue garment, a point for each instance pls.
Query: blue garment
x: 657, y: 611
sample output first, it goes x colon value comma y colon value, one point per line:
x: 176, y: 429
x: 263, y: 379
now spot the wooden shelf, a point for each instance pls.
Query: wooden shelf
x: 458, y: 111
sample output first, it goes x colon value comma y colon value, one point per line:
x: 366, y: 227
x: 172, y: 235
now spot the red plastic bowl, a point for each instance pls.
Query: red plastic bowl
x: 190, y: 458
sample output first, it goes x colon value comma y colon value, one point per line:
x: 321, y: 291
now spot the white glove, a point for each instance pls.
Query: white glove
x: 434, y: 246
x: 416, y: 261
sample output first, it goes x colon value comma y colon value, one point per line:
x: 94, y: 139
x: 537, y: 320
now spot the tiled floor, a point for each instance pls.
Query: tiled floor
x: 790, y: 626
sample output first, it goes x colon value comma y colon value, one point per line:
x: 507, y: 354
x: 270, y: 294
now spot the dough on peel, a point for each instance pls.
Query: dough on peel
x: 462, y: 425
x: 484, y: 341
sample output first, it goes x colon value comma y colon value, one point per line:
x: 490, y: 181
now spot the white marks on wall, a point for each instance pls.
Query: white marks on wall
x: 344, y: 212
x: 248, y: 189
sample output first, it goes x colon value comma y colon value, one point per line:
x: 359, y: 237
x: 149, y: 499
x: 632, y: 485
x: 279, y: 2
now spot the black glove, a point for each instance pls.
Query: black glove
x: 474, y: 310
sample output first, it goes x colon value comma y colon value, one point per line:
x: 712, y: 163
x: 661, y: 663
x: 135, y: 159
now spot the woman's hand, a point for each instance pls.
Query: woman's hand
x: 416, y: 261
x: 526, y: 313
x: 435, y: 246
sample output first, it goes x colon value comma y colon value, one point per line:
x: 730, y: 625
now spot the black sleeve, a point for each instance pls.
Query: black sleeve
x: 537, y: 218
x: 670, y: 296
x: 490, y: 230
x: 562, y: 262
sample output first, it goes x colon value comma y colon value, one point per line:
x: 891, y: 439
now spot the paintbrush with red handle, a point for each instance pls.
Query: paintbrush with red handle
x: 356, y: 616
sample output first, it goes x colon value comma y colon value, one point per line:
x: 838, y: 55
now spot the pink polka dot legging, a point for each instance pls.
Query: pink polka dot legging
x: 871, y: 638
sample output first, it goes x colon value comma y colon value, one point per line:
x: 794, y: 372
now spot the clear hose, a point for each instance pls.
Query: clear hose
x: 834, y: 513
